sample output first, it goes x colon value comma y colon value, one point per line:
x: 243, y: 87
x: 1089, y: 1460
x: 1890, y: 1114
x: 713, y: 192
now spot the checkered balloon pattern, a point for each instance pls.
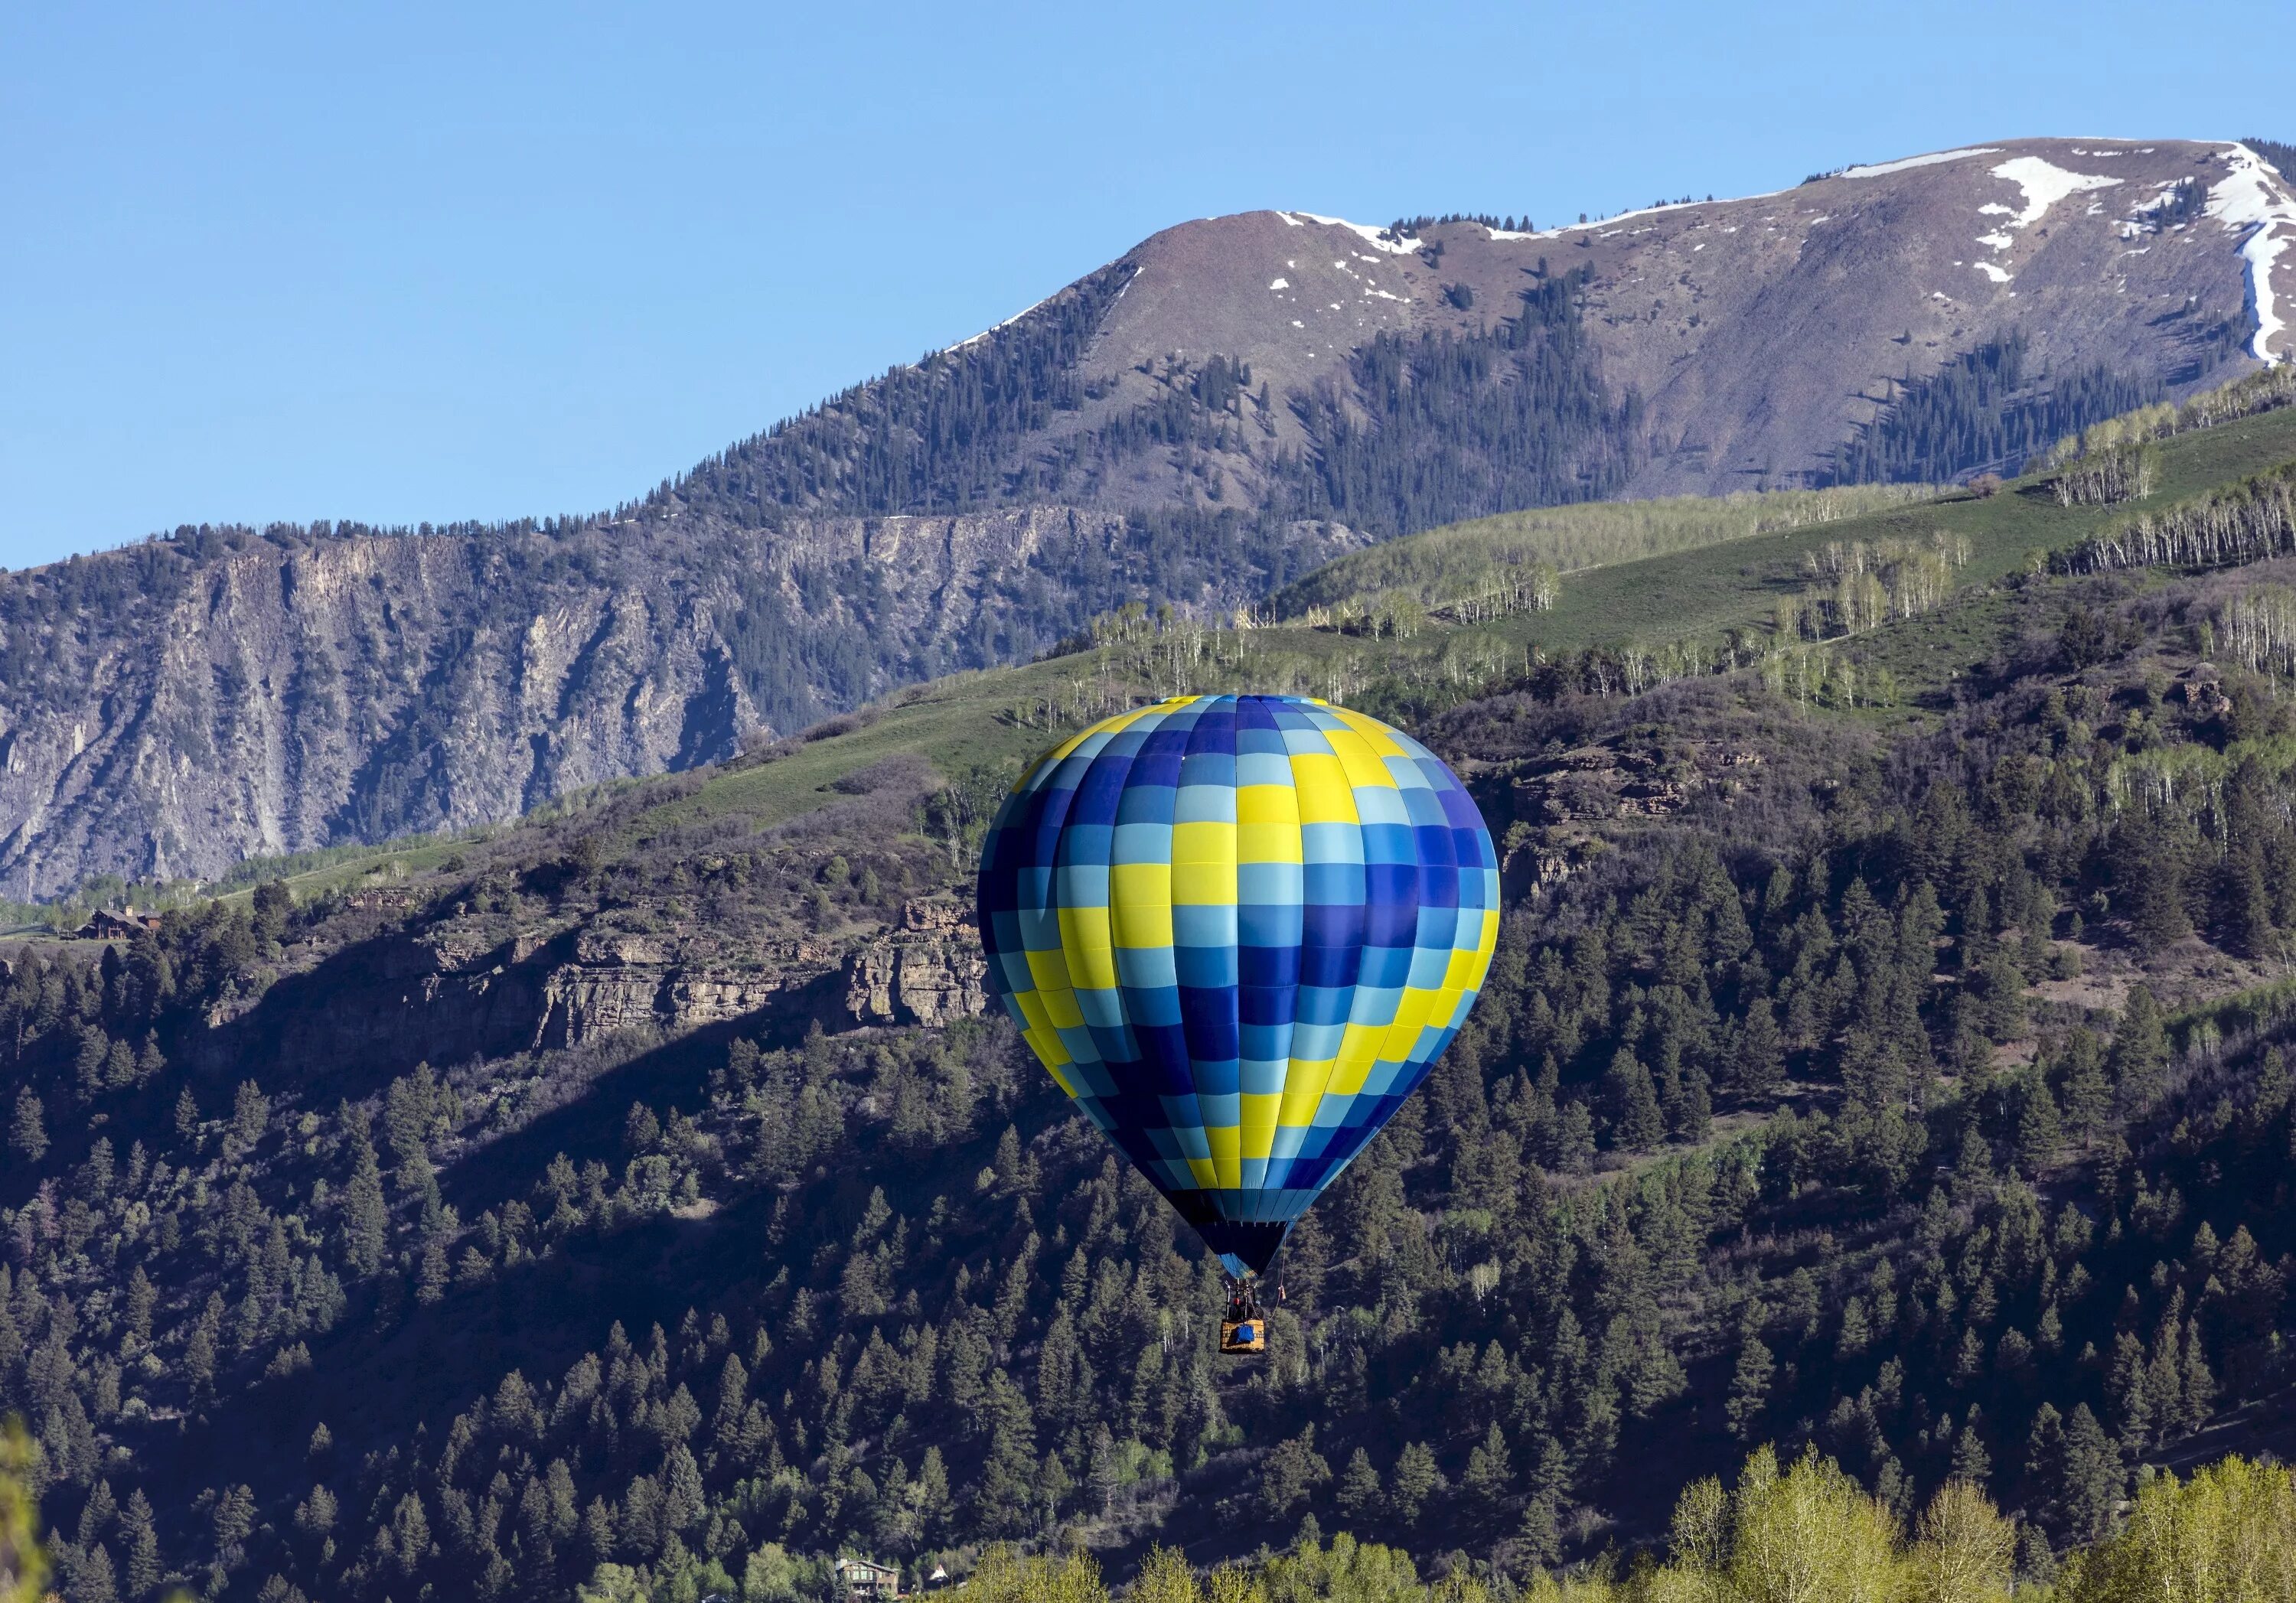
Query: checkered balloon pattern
x: 1239, y: 931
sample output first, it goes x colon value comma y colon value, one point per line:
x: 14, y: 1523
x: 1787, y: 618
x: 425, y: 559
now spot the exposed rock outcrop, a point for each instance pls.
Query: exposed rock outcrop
x: 403, y: 997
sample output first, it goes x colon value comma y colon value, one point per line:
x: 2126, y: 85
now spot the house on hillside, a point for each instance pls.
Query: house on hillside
x: 103, y: 926
x: 865, y: 1581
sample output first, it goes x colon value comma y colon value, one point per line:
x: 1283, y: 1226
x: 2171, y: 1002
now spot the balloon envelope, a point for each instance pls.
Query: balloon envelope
x: 1239, y: 931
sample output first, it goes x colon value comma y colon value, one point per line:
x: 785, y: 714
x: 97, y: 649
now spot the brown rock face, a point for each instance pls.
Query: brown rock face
x: 277, y: 699
x: 403, y: 998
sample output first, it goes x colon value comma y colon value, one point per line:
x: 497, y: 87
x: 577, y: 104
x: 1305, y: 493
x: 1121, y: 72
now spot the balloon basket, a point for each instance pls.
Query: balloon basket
x: 1246, y: 1337
x: 1244, y: 1333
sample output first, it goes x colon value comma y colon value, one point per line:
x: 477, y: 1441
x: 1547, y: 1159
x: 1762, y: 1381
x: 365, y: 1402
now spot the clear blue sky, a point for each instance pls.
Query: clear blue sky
x: 435, y: 261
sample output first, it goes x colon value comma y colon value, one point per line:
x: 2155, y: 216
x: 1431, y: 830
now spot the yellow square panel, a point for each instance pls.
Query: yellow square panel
x: 1459, y: 973
x: 1268, y: 843
x: 1136, y: 885
x: 1203, y: 865
x: 1325, y: 796
x: 1086, y: 940
x: 1358, y: 1050
x: 1206, y: 1176
x: 1410, y: 1018
x: 1227, y: 1160
x: 1142, y: 914
x: 1362, y: 765
x: 1257, y: 1121
x: 1048, y: 971
x: 1381, y: 743
x: 1210, y: 840
x: 1266, y: 804
x: 1060, y: 1007
x: 1303, y: 1089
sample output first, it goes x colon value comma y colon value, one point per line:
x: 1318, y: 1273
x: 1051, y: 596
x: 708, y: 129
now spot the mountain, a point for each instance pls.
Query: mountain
x: 1886, y: 1056
x: 1201, y: 422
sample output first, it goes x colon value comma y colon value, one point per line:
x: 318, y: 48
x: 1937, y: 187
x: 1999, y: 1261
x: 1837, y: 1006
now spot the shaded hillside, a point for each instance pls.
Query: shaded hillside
x: 1901, y: 1073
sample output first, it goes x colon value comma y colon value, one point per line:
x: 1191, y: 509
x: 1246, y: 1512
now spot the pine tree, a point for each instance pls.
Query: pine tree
x: 2039, y: 1132
x: 366, y: 1220
x: 2125, y: 1386
x: 2086, y: 1095
x: 1759, y: 1064
x: 1004, y: 1493
x: 2200, y: 1386
x: 2148, y: 872
x: 1490, y: 1471
x: 432, y: 1274
x: 682, y: 1502
x: 93, y: 1579
x: 1971, y: 1461
x: 1416, y: 1479
x: 1636, y: 1122
x: 1541, y: 1531
x: 2139, y: 1057
x: 2090, y: 1481
x: 28, y: 1136
x: 1359, y: 1495
x: 200, y: 1349
x: 142, y: 1545
x: 1290, y: 1475
x: 1749, y: 1387
x: 250, y: 1111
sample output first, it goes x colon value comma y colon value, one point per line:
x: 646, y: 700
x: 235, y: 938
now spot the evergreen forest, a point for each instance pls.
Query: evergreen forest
x: 1871, y: 1151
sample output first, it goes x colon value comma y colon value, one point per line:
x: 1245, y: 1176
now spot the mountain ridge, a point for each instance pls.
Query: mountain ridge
x: 1199, y: 423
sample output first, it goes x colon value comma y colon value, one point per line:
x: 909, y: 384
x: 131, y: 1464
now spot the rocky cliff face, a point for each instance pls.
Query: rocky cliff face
x: 254, y: 696
x: 430, y: 994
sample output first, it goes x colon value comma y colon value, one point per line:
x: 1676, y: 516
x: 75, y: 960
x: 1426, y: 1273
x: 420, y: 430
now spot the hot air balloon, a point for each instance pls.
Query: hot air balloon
x: 1239, y: 931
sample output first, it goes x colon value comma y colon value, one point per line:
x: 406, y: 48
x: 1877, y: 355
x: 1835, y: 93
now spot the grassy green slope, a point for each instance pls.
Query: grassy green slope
x: 1571, y: 538
x: 1738, y: 582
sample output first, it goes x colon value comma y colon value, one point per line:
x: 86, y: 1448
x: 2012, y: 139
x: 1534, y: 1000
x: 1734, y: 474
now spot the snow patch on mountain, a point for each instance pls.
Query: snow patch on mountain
x: 2247, y: 198
x: 2046, y: 183
x: 1379, y: 238
x: 1882, y: 169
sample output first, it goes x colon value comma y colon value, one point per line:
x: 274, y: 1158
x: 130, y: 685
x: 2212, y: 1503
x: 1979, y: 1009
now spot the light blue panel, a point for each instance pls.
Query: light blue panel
x: 1204, y: 804
x: 1103, y: 1009
x: 1203, y: 926
x: 1262, y: 768
x: 1330, y: 842
x: 1221, y: 1111
x: 1136, y: 843
x: 1376, y: 803
x: 1141, y: 969
x: 1429, y: 965
x: 1269, y: 884
x: 1083, y: 885
x: 1263, y: 1076
x: 1374, y: 1004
